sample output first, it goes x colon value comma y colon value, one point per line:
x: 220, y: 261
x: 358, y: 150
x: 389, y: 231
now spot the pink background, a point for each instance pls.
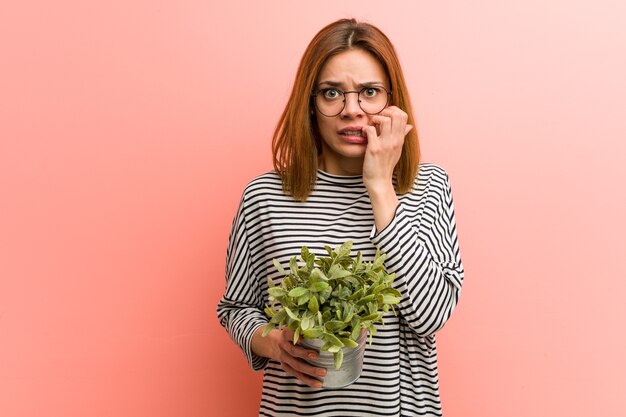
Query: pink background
x: 128, y: 130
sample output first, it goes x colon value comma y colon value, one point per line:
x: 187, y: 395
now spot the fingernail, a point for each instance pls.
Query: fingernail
x: 312, y: 356
x: 317, y: 384
x: 321, y: 372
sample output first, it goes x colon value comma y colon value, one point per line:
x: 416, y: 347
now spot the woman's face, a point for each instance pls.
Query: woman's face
x: 343, y: 145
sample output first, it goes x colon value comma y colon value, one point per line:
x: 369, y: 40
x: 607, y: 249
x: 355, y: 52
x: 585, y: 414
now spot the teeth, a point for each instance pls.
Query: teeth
x: 352, y: 132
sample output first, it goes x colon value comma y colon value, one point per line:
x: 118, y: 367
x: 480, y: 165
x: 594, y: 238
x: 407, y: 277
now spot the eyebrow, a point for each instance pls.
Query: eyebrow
x: 362, y: 85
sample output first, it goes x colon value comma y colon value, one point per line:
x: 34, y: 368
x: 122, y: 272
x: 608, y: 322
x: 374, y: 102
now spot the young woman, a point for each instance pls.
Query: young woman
x: 346, y: 159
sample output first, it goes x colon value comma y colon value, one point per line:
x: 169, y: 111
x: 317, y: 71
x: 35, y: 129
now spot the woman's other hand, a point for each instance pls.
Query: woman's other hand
x: 278, y: 345
x: 385, y: 138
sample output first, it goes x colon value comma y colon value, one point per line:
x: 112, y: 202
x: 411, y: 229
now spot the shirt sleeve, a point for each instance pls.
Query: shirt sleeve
x: 240, y: 310
x: 422, y: 249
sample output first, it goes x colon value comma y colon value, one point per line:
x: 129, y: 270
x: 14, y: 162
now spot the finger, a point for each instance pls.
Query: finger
x: 388, y: 111
x: 384, y: 125
x: 399, y: 119
x: 298, y: 351
x: 304, y: 367
x: 370, y: 132
x: 407, y: 129
x: 288, y: 335
x: 299, y: 365
x: 312, y: 382
x: 398, y: 123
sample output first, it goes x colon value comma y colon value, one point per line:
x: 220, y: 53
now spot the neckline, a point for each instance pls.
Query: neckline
x: 339, y: 179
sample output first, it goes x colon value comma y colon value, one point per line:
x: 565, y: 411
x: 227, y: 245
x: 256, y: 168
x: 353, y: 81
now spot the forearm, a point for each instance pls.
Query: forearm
x: 384, y: 204
x: 429, y: 287
x: 265, y: 346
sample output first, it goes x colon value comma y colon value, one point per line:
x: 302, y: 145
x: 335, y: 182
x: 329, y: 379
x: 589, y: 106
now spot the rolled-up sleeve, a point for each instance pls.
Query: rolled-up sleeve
x: 422, y: 250
x: 240, y: 310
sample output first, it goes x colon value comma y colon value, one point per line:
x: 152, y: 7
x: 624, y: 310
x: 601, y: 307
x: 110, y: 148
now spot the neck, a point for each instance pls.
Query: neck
x: 345, y: 166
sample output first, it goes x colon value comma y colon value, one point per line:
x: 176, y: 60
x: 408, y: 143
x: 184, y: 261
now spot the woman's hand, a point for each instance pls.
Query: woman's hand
x: 278, y: 345
x: 385, y: 138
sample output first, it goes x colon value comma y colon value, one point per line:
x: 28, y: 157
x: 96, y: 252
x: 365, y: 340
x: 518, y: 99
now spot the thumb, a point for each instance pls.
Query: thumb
x: 407, y: 129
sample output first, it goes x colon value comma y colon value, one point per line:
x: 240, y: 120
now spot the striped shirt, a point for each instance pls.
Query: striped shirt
x: 399, y: 376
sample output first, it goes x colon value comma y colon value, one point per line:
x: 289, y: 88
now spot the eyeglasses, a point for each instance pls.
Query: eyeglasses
x: 331, y: 101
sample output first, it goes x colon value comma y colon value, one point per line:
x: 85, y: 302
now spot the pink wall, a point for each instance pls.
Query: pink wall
x: 128, y: 130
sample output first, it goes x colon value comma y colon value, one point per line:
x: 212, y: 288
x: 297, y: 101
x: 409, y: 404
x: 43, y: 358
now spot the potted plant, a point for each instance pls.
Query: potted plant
x: 331, y: 303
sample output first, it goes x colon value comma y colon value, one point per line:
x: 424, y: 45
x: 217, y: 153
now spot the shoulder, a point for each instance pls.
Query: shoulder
x: 268, y: 180
x: 430, y: 186
x: 262, y: 187
x: 431, y: 174
x: 431, y: 170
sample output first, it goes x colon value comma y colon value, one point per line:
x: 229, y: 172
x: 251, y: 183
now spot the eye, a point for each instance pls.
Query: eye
x: 331, y: 93
x: 371, y: 91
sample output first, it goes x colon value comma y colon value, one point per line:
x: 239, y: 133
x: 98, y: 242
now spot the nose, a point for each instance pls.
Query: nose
x: 351, y: 105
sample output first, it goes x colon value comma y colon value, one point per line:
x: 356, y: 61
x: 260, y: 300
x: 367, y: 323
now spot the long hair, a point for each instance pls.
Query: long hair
x: 297, y: 144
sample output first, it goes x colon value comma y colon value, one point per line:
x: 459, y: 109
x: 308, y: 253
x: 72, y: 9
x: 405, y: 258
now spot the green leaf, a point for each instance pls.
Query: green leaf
x: 372, y: 317
x: 335, y: 325
x: 296, y: 336
x: 334, y: 349
x: 338, y: 358
x: 318, y: 275
x: 334, y: 340
x: 392, y: 291
x: 293, y: 265
x: 279, y: 267
x: 310, y: 261
x: 357, y: 261
x: 304, y: 298
x: 390, y: 299
x: 339, y: 273
x: 267, y: 329
x: 279, y: 317
x: 372, y: 330
x: 318, y: 286
x: 326, y: 346
x: 356, y: 331
x: 365, y: 300
x: 348, y: 314
x: 379, y: 260
x: 345, y: 249
x: 348, y: 342
x: 356, y: 295
x: 378, y: 288
x: 304, y: 253
x: 313, y: 333
x: 313, y: 305
x: 291, y: 314
x: 297, y: 292
x: 276, y: 292
x: 303, y: 274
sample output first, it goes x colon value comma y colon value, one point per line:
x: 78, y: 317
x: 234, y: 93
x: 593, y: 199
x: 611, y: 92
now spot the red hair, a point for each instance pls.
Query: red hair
x: 297, y: 143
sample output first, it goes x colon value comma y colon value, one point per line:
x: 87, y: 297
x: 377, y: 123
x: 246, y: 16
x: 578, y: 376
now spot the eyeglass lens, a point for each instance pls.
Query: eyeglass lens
x: 331, y: 101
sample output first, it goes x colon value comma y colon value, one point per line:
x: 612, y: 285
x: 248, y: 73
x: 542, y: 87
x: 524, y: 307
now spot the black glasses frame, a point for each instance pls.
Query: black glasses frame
x: 343, y: 93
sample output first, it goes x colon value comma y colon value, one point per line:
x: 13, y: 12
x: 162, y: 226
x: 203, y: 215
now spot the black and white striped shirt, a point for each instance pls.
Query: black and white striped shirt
x: 400, y: 376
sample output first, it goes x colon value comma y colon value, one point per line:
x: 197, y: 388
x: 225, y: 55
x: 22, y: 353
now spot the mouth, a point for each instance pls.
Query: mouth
x: 352, y: 132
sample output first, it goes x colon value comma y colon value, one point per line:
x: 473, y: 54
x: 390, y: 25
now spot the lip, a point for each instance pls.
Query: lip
x: 352, y: 139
